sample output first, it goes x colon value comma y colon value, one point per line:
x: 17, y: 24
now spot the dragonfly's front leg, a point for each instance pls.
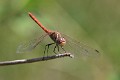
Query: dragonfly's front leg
x: 63, y: 49
x: 57, y: 46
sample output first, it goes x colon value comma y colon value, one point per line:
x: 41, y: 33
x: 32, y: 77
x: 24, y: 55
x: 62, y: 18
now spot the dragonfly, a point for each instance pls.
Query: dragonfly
x: 61, y: 41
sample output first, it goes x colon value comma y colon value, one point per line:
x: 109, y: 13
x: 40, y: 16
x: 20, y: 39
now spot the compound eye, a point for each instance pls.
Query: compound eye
x: 63, y: 39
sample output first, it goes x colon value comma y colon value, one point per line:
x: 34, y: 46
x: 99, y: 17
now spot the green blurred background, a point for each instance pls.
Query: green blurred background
x: 95, y: 22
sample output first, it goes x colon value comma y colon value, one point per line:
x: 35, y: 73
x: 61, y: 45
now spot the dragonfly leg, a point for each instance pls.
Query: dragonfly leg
x: 56, y: 46
x: 54, y: 49
x: 58, y: 49
x: 47, y: 47
x: 63, y: 49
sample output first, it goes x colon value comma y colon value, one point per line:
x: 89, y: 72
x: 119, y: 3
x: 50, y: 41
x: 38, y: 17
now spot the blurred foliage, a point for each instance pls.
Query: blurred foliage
x: 95, y: 22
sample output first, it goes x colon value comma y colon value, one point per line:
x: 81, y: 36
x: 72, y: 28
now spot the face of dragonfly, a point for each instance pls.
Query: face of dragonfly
x: 57, y: 38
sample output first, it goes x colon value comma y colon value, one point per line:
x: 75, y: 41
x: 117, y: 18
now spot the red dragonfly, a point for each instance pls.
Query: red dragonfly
x: 60, y: 40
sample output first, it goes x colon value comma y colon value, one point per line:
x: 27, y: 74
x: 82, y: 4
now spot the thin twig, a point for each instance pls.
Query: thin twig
x: 22, y: 61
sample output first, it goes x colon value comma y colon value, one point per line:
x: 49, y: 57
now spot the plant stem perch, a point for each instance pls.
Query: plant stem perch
x: 22, y: 61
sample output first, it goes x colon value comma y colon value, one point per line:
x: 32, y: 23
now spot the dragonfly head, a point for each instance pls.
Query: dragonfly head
x: 62, y: 41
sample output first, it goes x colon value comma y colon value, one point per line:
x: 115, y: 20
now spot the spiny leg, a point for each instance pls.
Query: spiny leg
x: 47, y: 48
x: 54, y: 49
x: 63, y: 49
x: 58, y: 49
x: 56, y: 46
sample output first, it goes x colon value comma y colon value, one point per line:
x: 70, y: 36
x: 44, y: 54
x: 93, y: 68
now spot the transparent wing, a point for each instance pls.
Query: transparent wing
x: 79, y: 49
x: 25, y: 47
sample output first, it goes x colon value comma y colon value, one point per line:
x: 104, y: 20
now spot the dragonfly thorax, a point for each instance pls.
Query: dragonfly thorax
x: 57, y: 38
